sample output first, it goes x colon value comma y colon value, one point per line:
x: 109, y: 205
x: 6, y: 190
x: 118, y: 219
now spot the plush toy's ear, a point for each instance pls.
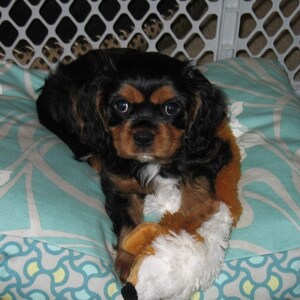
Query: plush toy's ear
x: 226, y: 184
x: 141, y: 237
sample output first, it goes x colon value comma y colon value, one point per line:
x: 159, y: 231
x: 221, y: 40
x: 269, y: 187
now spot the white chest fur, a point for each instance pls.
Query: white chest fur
x: 166, y: 196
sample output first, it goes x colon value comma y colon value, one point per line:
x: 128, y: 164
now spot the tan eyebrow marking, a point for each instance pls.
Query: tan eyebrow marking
x: 131, y: 94
x: 162, y: 95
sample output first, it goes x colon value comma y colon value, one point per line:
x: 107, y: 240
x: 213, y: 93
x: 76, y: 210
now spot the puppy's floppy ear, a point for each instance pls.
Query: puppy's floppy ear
x: 206, y: 113
x: 71, y: 104
x: 89, y: 117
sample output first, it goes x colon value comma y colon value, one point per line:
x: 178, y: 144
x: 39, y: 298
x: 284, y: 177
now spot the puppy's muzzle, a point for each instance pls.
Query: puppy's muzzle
x: 144, y: 138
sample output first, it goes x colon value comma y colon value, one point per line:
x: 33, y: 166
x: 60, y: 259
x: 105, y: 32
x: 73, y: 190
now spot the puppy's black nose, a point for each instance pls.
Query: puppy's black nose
x: 143, y: 138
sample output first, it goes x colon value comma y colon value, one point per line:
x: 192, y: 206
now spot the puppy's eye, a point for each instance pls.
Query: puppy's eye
x: 171, y: 108
x: 121, y: 106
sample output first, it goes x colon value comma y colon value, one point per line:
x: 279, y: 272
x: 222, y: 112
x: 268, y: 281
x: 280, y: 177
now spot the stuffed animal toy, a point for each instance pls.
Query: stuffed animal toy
x: 176, y: 255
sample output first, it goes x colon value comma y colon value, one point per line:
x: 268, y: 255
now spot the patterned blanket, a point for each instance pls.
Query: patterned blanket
x: 52, y: 202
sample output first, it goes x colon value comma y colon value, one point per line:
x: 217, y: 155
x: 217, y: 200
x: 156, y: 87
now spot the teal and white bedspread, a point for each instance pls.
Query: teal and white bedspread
x: 56, y: 241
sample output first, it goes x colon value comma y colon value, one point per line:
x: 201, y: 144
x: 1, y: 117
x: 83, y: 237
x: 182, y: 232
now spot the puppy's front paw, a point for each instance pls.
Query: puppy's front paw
x: 123, y: 264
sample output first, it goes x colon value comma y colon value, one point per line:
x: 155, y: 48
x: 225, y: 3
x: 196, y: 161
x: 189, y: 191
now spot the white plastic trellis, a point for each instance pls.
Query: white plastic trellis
x: 38, y: 33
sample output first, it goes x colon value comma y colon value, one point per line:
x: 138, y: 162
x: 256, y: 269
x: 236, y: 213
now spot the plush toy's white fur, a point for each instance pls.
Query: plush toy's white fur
x: 181, y: 264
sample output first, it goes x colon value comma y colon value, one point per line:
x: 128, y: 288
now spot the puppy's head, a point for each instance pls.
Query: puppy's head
x: 147, y: 120
x: 152, y: 106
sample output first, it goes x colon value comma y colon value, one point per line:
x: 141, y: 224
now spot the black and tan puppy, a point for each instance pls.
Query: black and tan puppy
x: 135, y: 116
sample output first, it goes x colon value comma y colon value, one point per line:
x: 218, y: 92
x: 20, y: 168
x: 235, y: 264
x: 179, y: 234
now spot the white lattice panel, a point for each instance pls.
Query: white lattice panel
x: 37, y: 33
x: 271, y: 29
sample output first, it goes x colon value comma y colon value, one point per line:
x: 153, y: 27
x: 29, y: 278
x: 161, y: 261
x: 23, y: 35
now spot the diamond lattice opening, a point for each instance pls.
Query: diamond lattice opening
x: 80, y: 46
x: 295, y: 24
x: 261, y: 8
x: 37, y: 32
x: 23, y: 52
x: 292, y: 60
x: 80, y: 10
x: 50, y: 11
x: 166, y: 44
x: 138, y: 42
x: 52, y: 50
x: 283, y: 41
x: 181, y: 26
x: 181, y: 56
x: 20, y: 13
x: 8, y: 34
x: 138, y: 8
x: 5, y: 3
x: 152, y: 26
x: 39, y: 64
x: 67, y: 59
x: 95, y: 28
x: 197, y: 9
x: 194, y: 45
x: 270, y: 54
x: 66, y: 30
x: 209, y: 27
x: 109, y: 9
x: 297, y: 76
x: 273, y: 24
x: 123, y: 27
x: 206, y: 57
x: 167, y: 8
x: 36, y: 2
x: 287, y: 7
x: 110, y: 41
x: 247, y: 26
x: 242, y: 53
x: 257, y: 43
x: 2, y: 53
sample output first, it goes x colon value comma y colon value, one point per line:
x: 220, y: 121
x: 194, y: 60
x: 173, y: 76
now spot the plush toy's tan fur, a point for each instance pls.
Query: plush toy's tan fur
x: 227, y: 180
